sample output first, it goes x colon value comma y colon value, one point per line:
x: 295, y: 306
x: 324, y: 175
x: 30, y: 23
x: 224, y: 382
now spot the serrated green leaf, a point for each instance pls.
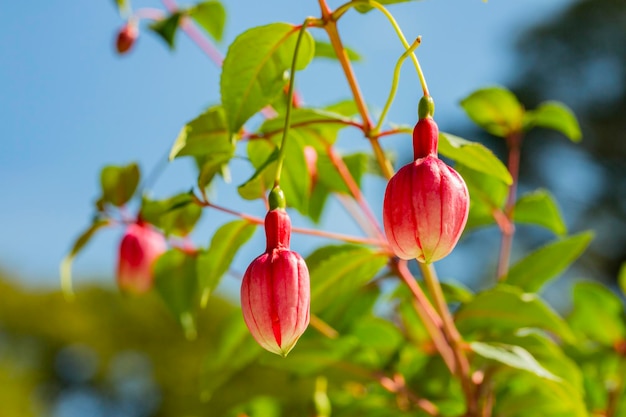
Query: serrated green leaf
x: 225, y: 244
x: 496, y: 110
x: 513, y: 356
x: 621, y: 278
x: 255, y: 66
x: 539, y: 208
x: 547, y: 262
x: 175, y: 280
x: 167, y: 28
x: 176, y: 215
x: 79, y: 244
x: 119, y: 183
x: 507, y: 309
x: 554, y: 115
x: 325, y: 50
x: 211, y: 16
x: 598, y: 313
x: 336, y: 270
x: 473, y: 155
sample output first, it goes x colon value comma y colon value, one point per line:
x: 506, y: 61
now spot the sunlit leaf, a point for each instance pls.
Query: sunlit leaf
x: 255, y: 69
x: 225, y: 244
x: 473, y: 155
x: 513, y: 356
x: 167, y: 28
x: 598, y: 313
x: 487, y: 195
x: 176, y: 215
x: 336, y: 270
x: 123, y: 7
x: 554, y: 115
x: 547, y: 262
x: 175, y: 279
x: 119, y: 183
x: 496, y: 110
x: 211, y: 16
x: 539, y: 208
x: 330, y: 177
x: 262, y: 179
x: 621, y: 278
x: 325, y: 50
x: 507, y: 309
x: 364, y: 7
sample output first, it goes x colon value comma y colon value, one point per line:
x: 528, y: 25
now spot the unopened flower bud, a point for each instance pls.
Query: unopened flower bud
x: 426, y: 202
x: 275, y: 292
x: 126, y: 37
x: 139, y: 249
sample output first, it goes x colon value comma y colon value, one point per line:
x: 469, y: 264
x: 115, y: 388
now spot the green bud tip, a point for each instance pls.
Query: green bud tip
x: 426, y: 107
x: 277, y: 198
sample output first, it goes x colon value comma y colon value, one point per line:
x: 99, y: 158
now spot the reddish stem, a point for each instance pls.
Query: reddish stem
x: 514, y: 142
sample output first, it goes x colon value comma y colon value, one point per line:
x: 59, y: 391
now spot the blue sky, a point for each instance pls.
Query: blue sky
x: 70, y: 105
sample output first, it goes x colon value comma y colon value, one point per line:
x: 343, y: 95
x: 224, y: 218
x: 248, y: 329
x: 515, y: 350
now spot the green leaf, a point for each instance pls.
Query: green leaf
x: 547, y: 262
x: 214, y: 263
x: 336, y: 270
x: 166, y: 28
x: 79, y: 244
x: 540, y: 208
x: 325, y: 50
x: 598, y: 313
x: 456, y: 292
x: 554, y: 115
x: 175, y: 280
x: 487, y: 196
x: 319, y: 127
x: 621, y: 278
x: 263, y: 177
x: 255, y: 69
x: 234, y: 349
x: 176, y: 215
x: 123, y: 7
x: 496, y: 110
x: 119, y: 183
x: 328, y: 176
x: 507, y: 309
x: 211, y: 16
x: 513, y: 356
x: 473, y: 155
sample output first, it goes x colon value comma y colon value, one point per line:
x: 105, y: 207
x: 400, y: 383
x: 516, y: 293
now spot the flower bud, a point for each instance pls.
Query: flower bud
x: 126, y: 37
x: 426, y: 202
x: 275, y: 292
x: 139, y: 249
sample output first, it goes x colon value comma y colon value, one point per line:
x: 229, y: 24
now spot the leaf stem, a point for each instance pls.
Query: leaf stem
x: 394, y: 82
x: 514, y: 142
x: 451, y: 332
x: 292, y: 78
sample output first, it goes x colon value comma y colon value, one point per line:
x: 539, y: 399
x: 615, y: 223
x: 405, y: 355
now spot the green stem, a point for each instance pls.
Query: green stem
x: 343, y: 8
x: 292, y: 78
x: 394, y: 82
x: 453, y: 335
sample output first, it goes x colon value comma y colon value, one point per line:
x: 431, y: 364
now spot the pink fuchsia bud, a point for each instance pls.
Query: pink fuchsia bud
x: 275, y: 292
x: 126, y: 37
x: 426, y: 202
x: 139, y: 249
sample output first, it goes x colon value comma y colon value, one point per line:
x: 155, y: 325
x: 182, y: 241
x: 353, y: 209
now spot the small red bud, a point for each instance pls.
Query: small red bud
x: 139, y: 248
x: 126, y: 37
x: 426, y: 202
x: 275, y: 291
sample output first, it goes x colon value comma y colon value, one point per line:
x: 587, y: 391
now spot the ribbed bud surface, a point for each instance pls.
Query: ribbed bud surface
x: 139, y: 248
x: 275, y: 292
x: 426, y: 202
